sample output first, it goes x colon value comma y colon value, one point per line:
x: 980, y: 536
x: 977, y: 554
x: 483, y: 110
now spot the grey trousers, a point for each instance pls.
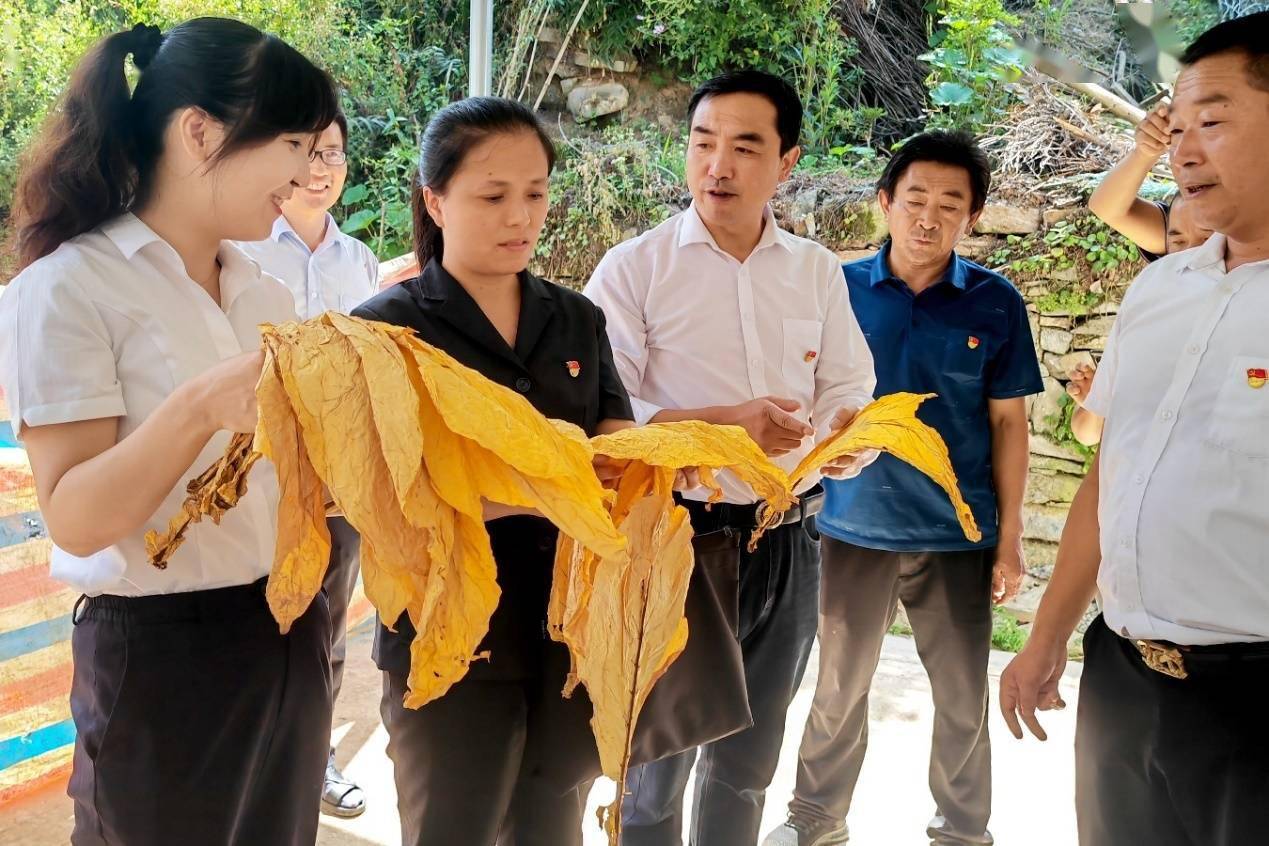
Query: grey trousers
x: 340, y: 581
x: 947, y: 596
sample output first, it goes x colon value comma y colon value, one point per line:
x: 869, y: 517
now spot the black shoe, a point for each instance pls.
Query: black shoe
x: 800, y: 832
x: 341, y: 797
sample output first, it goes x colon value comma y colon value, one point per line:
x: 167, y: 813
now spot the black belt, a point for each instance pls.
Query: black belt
x: 734, y: 518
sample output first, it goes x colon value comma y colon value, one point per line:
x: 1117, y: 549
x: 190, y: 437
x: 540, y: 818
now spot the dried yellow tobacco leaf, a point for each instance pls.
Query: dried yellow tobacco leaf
x: 325, y: 387
x: 653, y: 454
x: 890, y: 424
x: 303, y: 545
x: 553, y: 470
x: 410, y: 444
x: 691, y: 443
x: 635, y: 630
x: 590, y: 594
x: 213, y: 493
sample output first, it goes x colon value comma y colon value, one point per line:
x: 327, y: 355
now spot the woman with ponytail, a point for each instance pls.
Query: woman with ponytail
x: 499, y: 758
x: 129, y: 353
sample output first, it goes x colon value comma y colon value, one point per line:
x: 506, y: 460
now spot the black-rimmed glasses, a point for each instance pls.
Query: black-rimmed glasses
x: 332, y: 158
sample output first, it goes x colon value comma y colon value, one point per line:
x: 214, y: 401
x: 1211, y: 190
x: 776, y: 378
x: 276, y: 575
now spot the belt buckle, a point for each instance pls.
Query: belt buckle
x: 1167, y: 660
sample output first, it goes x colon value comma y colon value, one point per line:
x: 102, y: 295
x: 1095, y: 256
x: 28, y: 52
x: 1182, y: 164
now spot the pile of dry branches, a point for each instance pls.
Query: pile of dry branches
x: 890, y: 35
x: 1052, y: 139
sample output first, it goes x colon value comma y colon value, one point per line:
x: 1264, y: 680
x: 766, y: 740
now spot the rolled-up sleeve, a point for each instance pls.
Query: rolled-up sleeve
x: 620, y: 295
x: 844, y: 375
x: 56, y: 358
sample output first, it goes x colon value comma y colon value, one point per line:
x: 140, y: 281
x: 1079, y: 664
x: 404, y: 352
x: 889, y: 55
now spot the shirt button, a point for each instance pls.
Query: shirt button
x: 1125, y: 543
x: 523, y: 385
x: 1192, y: 349
x: 1139, y: 479
x: 1166, y: 415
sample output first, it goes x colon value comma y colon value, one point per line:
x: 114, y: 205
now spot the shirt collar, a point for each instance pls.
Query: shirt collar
x: 238, y: 272
x: 129, y: 233
x: 957, y: 270
x: 438, y: 292
x: 692, y: 230
x: 282, y: 229
x: 1211, y: 255
x: 438, y: 284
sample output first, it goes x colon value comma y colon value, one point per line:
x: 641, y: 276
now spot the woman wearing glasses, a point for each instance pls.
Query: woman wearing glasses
x: 325, y: 270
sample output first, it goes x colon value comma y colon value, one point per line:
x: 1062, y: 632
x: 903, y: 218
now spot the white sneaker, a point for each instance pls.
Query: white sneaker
x: 799, y: 832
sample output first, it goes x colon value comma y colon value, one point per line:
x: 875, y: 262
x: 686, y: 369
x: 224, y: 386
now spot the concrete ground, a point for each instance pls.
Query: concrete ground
x: 1034, y: 783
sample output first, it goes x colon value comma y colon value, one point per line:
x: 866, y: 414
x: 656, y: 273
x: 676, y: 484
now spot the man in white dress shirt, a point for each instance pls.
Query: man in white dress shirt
x: 719, y: 315
x: 1171, y: 527
x: 325, y: 270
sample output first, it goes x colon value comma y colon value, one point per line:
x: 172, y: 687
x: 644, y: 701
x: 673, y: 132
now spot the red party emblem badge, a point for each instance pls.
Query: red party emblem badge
x: 810, y: 356
x: 574, y: 368
x: 973, y: 342
x: 1257, y: 376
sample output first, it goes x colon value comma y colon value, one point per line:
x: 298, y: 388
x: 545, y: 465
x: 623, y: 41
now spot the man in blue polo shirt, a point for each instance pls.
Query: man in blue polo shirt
x: 936, y: 323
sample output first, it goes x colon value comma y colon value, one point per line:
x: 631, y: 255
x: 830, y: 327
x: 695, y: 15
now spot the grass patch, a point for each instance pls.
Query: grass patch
x: 1006, y: 634
x: 901, y: 628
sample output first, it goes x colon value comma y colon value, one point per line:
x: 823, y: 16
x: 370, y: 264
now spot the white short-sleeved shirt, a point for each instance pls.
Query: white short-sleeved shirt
x: 339, y: 275
x: 693, y: 327
x: 1184, y: 486
x: 109, y: 325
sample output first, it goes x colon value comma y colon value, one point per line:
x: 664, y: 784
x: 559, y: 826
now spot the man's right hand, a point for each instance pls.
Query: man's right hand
x: 1152, y: 135
x: 1081, y: 383
x: 771, y: 424
x: 1030, y: 684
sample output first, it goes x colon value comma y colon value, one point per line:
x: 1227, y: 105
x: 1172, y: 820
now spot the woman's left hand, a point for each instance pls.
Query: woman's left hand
x: 608, y: 470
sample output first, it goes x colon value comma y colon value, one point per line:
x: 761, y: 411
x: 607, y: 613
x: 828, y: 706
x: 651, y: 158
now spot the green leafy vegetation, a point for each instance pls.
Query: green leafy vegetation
x: 1081, y: 243
x: 972, y: 60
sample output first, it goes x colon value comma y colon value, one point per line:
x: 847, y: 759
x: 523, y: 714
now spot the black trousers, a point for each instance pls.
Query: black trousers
x: 476, y: 766
x: 779, y: 587
x: 1171, y: 762
x: 197, y: 722
x: 339, y: 582
x: 499, y: 757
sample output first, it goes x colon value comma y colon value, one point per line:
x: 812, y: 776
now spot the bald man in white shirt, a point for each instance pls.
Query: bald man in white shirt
x: 1171, y: 526
x: 719, y: 315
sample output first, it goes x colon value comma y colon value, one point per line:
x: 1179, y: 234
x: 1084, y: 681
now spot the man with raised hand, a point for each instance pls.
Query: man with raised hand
x: 1170, y: 527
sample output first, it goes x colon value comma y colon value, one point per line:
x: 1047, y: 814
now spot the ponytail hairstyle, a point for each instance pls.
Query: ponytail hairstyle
x: 99, y: 150
x: 450, y: 135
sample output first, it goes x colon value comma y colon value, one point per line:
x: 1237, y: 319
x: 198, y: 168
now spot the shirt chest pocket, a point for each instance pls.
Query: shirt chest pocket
x: 1240, y: 421
x: 801, y: 354
x: 964, y: 355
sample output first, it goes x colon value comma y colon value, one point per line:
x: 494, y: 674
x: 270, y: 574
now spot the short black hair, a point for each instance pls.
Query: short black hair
x: 782, y: 95
x: 1248, y: 35
x: 955, y: 148
x: 342, y: 122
